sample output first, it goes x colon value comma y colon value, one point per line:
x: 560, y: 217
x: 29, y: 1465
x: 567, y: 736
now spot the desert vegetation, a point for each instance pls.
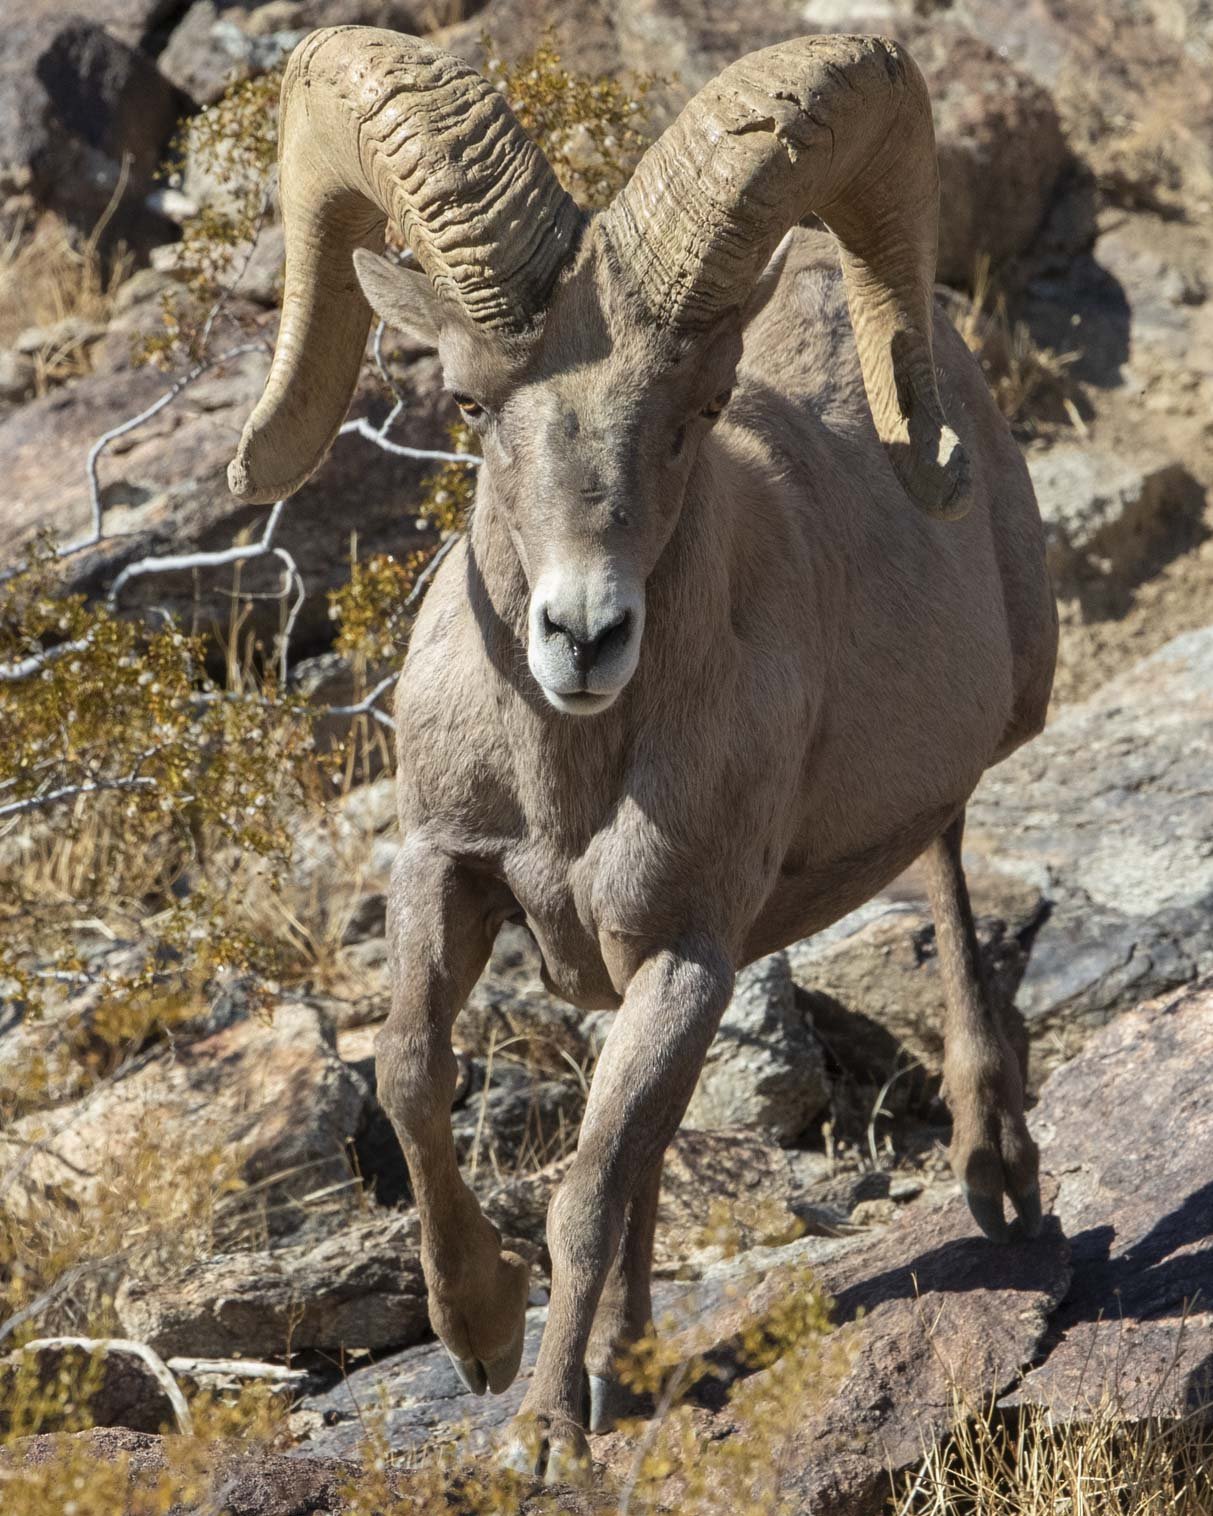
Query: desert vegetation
x: 195, y: 827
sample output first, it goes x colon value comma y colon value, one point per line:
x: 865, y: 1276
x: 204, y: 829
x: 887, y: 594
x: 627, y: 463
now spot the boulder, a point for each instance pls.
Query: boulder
x: 74, y: 103
x: 510, y: 1003
x: 510, y: 1117
x: 1128, y: 1128
x: 1107, y: 813
x: 272, y: 1097
x: 765, y: 1069
x: 135, y: 22
x: 104, y: 1382
x: 420, y: 1401
x: 209, y: 50
x: 1100, y: 58
x: 359, y: 1288
x: 1000, y: 144
x: 1106, y: 516
x: 216, y: 42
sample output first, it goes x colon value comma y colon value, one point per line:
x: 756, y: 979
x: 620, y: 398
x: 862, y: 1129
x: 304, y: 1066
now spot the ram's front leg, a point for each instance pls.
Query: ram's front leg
x: 440, y: 930
x: 625, y: 1308
x: 642, y: 1085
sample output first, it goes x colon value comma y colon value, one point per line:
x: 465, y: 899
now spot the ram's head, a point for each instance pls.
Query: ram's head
x: 593, y: 355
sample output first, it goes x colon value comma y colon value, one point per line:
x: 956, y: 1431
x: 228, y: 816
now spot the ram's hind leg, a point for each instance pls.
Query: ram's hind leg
x: 440, y: 931
x: 992, y: 1153
x: 625, y: 1310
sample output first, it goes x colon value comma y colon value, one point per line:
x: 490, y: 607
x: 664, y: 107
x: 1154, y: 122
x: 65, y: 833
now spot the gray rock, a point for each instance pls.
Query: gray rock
x: 1108, y: 813
x: 134, y: 22
x: 209, y: 50
x: 421, y: 1401
x: 74, y: 101
x: 218, y: 42
x: 765, y: 1070
x: 360, y: 1288
x: 1001, y: 151
x: 1104, y: 514
x: 512, y: 1117
x: 873, y: 985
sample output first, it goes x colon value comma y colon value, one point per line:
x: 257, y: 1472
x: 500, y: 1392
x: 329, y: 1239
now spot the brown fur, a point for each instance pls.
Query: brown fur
x: 823, y: 676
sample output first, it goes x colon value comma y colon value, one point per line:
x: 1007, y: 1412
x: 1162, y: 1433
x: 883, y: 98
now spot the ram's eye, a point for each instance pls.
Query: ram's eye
x: 714, y: 407
x: 470, y: 408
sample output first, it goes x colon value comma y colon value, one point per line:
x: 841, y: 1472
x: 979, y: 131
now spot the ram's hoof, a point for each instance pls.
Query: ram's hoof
x: 496, y: 1374
x: 610, y: 1402
x: 553, y: 1449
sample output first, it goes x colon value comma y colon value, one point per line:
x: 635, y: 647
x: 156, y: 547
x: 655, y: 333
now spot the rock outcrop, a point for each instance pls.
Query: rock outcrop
x: 765, y: 1070
x: 273, y: 1101
x: 927, y: 1311
x: 1128, y: 1129
x: 1108, y: 814
x: 75, y: 102
x: 360, y: 1288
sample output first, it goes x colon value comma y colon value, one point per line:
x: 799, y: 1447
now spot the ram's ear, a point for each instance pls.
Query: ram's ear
x: 403, y: 297
x: 768, y: 280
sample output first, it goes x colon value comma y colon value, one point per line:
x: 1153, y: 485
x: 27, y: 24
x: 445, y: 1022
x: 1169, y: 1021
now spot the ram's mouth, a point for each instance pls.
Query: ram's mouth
x: 580, y: 702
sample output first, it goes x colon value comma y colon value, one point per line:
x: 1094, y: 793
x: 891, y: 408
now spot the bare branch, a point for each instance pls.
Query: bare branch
x: 291, y: 575
x: 121, y: 430
x: 156, y: 1366
x: 170, y: 563
x: 428, y: 572
x: 14, y: 673
x: 366, y: 706
x: 363, y: 428
x: 70, y: 791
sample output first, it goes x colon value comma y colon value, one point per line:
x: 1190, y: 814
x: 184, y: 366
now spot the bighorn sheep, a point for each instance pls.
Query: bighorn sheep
x: 701, y: 678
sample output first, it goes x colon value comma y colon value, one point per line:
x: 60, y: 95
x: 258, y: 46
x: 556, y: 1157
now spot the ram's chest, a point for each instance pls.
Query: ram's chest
x: 640, y: 882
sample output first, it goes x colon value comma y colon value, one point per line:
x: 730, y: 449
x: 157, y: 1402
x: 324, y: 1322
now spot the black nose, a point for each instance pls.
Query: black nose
x: 587, y: 651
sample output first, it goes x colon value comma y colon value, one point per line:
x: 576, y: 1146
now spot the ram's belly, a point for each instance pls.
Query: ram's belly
x: 810, y: 895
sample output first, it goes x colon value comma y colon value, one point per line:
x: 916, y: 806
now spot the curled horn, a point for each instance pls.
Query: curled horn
x: 374, y: 125
x: 838, y: 126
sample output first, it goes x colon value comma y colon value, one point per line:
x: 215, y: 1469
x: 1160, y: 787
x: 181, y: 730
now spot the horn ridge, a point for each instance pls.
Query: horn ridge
x: 840, y: 127
x: 376, y: 125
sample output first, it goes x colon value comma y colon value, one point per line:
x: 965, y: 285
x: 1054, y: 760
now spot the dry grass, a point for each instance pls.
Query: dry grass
x: 1031, y: 384
x: 1032, y: 1464
x: 66, y: 1237
x: 49, y: 275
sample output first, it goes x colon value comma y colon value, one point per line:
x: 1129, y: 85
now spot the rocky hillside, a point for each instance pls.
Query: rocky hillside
x: 219, y: 1197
